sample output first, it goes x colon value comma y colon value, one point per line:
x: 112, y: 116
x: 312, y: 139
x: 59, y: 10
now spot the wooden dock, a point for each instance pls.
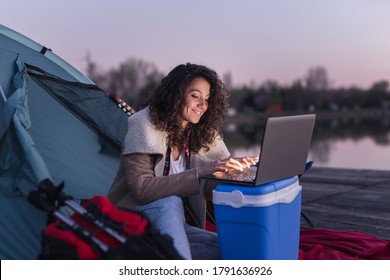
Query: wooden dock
x: 347, y: 199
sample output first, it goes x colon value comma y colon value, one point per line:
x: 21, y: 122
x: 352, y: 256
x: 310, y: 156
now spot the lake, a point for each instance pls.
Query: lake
x: 341, y: 143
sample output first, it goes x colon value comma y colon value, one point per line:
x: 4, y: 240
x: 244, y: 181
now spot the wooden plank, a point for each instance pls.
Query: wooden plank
x: 346, y: 173
x: 345, y: 176
x: 358, y: 198
x: 314, y: 191
x: 334, y: 211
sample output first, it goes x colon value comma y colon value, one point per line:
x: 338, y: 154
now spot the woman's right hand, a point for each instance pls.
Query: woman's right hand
x: 226, y: 165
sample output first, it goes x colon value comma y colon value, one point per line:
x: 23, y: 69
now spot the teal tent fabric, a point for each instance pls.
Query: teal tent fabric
x: 55, y: 124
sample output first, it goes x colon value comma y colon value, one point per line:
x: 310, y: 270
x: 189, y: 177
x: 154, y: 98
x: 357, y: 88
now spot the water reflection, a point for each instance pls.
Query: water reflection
x: 347, y: 143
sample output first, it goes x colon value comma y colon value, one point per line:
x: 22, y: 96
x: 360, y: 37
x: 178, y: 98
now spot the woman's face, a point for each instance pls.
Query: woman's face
x: 196, y: 98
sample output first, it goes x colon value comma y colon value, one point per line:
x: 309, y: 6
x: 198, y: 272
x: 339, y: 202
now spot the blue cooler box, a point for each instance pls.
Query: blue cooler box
x: 261, y: 222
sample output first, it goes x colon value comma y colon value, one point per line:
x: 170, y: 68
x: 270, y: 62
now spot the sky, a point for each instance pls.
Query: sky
x: 254, y: 40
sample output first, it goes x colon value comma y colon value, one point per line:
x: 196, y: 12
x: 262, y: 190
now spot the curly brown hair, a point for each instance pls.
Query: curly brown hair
x: 167, y: 104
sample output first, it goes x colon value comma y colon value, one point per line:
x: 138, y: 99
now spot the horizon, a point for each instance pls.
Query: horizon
x: 255, y: 41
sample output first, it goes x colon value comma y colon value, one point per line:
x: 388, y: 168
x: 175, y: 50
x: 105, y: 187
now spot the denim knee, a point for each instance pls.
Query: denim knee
x: 170, y: 206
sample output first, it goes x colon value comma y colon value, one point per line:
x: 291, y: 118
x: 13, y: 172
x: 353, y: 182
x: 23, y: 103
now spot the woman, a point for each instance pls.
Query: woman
x: 169, y: 145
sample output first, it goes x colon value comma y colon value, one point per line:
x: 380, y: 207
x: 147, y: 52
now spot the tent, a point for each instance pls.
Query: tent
x: 55, y: 124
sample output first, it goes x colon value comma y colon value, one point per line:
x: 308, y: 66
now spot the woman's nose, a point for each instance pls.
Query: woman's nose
x: 202, y: 102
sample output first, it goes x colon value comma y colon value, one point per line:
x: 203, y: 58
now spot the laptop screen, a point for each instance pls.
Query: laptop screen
x: 285, y: 147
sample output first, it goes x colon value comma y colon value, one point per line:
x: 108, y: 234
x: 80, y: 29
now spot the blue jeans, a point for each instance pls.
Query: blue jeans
x: 167, y: 215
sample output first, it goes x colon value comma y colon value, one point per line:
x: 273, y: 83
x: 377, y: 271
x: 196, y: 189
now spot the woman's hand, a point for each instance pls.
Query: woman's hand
x: 248, y: 161
x: 229, y: 164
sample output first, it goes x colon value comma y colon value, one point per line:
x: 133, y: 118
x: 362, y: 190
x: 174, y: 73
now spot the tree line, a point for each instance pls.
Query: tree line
x: 134, y: 80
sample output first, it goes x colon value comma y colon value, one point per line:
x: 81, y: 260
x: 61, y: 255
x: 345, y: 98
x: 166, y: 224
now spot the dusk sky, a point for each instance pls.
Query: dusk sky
x: 255, y: 40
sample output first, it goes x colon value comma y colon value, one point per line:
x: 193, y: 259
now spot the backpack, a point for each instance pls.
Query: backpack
x: 97, y: 229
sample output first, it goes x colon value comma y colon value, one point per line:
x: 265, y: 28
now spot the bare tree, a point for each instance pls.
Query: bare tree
x: 133, y: 80
x: 317, y: 79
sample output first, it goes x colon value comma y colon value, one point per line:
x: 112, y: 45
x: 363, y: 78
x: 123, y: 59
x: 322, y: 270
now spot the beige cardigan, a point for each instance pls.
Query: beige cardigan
x: 139, y: 178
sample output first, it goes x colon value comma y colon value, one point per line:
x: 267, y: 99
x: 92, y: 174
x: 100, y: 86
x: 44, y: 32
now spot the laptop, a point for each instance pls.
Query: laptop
x: 284, y: 150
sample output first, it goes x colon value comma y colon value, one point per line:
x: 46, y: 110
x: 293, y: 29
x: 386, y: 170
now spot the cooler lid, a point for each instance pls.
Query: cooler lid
x: 261, y: 196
